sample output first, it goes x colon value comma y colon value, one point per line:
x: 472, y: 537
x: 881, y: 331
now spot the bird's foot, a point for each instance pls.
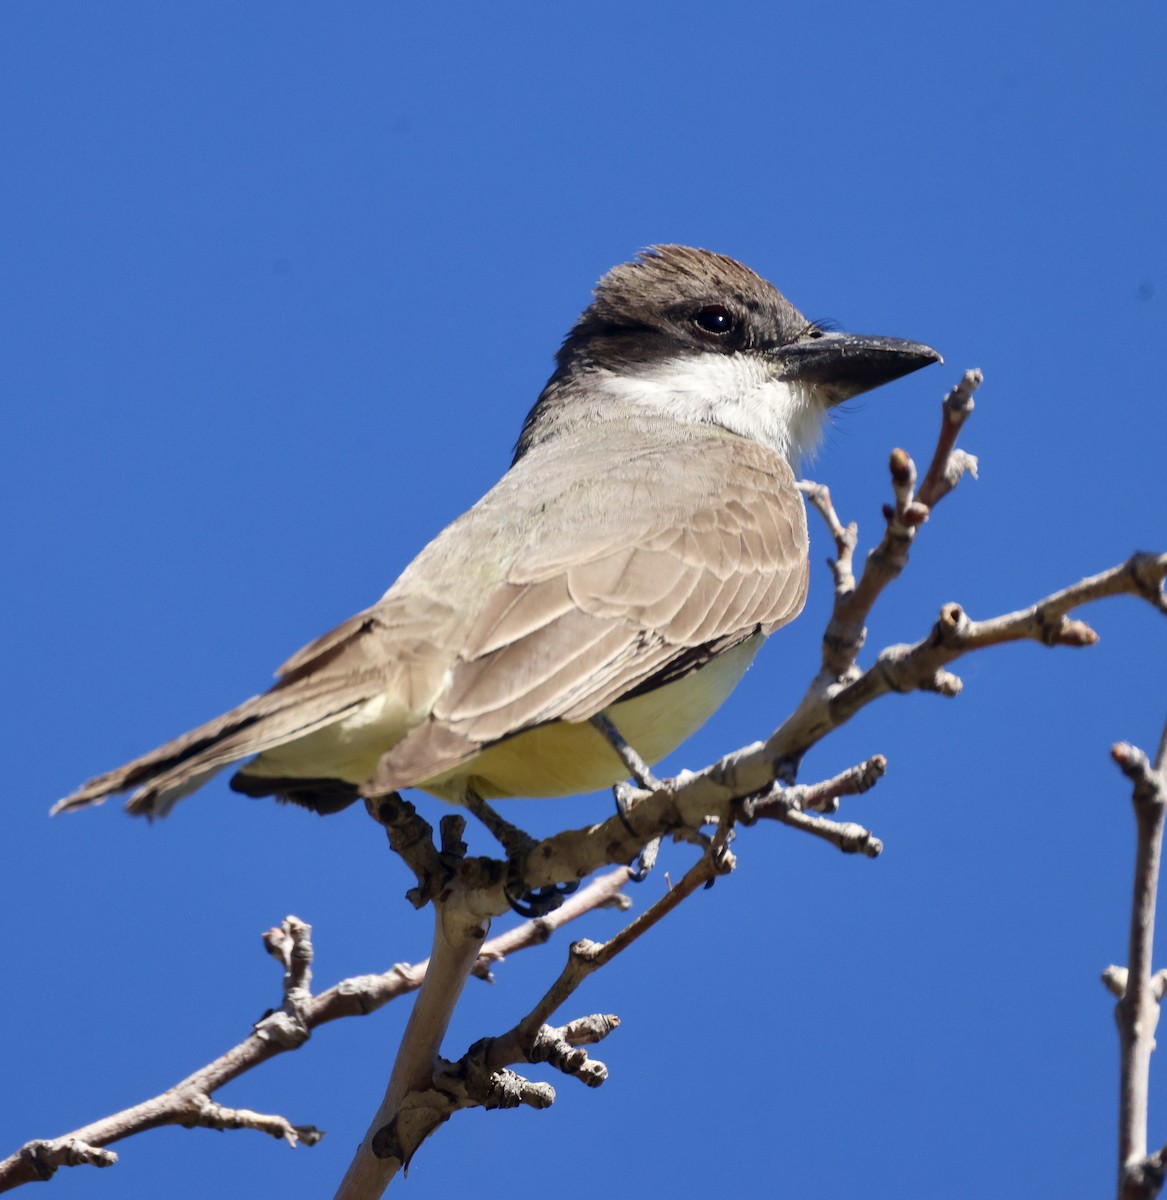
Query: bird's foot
x: 537, y: 902
x: 645, y: 780
x: 646, y: 859
x: 527, y: 902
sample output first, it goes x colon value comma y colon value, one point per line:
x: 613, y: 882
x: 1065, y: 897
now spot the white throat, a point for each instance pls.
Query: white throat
x: 735, y: 391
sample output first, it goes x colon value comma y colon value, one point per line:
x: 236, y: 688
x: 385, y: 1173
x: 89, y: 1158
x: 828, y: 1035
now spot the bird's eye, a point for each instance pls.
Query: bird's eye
x: 714, y: 319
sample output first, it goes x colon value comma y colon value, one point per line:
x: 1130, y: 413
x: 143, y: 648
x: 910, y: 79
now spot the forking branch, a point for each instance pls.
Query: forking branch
x: 753, y: 783
x: 188, y: 1103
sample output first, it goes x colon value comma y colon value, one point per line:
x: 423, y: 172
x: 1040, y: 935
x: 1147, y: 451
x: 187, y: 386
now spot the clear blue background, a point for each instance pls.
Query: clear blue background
x: 279, y: 282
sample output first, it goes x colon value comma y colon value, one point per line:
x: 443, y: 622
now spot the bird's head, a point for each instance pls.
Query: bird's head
x: 703, y: 339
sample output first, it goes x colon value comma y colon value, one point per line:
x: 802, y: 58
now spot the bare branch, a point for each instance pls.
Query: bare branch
x: 825, y: 796
x: 846, y: 539
x: 846, y: 630
x: 38, y: 1161
x: 602, y: 892
x: 474, y: 1082
x: 529, y: 1039
x: 1137, y: 1011
x: 411, y: 838
x: 473, y: 892
x: 844, y: 835
x: 481, y: 1078
x: 217, y: 1116
x: 291, y: 945
x: 188, y: 1102
x: 793, y: 806
x: 948, y: 464
x: 920, y: 667
x: 460, y: 928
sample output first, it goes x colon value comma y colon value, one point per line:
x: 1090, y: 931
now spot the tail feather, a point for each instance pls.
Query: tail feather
x: 325, y: 795
x: 165, y: 775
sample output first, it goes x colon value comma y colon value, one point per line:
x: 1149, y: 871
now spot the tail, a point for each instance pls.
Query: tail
x: 167, y: 774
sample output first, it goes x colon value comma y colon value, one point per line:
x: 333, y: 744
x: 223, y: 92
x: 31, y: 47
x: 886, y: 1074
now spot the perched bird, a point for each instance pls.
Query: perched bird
x: 646, y: 539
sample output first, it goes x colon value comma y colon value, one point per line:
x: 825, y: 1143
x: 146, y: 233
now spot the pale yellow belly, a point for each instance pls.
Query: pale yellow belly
x: 559, y: 759
x: 563, y: 759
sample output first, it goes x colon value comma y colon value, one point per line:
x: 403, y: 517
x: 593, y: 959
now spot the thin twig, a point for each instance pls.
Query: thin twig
x: 793, y: 806
x: 1137, y: 1011
x: 948, y: 464
x: 825, y: 796
x: 845, y: 835
x: 586, y: 957
x: 846, y: 631
x: 411, y: 838
x: 846, y: 538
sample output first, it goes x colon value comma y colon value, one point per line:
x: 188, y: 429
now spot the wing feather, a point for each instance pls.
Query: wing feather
x: 695, y: 549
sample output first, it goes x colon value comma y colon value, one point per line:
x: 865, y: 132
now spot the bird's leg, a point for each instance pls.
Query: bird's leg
x: 513, y: 840
x: 517, y: 844
x: 637, y: 767
x: 642, y: 774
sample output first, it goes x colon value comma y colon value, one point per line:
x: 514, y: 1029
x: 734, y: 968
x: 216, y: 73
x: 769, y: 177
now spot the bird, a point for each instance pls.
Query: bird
x: 648, y: 536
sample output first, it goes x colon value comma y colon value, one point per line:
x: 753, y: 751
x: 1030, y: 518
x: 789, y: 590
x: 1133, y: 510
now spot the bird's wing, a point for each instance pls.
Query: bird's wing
x: 637, y: 575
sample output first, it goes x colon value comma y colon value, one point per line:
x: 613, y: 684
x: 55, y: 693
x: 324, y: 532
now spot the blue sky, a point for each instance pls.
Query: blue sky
x: 279, y: 284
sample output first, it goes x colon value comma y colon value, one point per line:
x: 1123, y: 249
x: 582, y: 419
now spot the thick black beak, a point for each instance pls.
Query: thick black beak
x: 843, y: 365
